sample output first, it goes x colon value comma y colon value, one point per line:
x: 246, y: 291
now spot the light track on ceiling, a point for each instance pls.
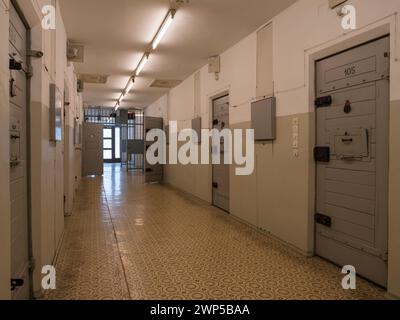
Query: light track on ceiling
x: 145, y: 58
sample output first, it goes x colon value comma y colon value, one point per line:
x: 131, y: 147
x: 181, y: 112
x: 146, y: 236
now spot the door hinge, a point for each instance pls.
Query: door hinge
x: 322, y: 154
x: 323, y: 220
x: 323, y: 102
x: 17, y: 283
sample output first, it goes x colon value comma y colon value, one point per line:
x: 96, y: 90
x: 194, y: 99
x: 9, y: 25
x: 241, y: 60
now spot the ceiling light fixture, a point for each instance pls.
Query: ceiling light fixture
x: 154, y: 44
x: 130, y: 85
x: 126, y: 91
x: 142, y: 63
x: 163, y: 29
x: 118, y: 105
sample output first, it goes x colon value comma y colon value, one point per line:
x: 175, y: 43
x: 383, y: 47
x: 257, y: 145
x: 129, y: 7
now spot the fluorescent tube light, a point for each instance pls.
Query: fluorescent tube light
x: 163, y: 29
x: 142, y: 64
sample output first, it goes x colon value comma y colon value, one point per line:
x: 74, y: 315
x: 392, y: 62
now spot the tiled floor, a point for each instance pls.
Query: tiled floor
x: 127, y: 240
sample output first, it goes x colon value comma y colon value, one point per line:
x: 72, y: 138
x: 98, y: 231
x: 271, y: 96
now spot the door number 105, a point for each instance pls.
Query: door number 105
x: 350, y: 71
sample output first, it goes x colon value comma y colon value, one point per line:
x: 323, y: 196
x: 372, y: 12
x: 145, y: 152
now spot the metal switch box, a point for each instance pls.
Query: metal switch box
x: 263, y: 116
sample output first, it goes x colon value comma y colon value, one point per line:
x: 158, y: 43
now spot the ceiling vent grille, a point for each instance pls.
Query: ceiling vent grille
x: 93, y: 78
x: 165, y: 84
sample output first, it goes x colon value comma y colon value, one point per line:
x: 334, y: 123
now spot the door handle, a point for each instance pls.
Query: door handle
x: 347, y: 140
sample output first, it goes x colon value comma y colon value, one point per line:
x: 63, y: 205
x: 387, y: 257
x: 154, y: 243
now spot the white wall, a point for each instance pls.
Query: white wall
x: 306, y: 27
x: 159, y: 109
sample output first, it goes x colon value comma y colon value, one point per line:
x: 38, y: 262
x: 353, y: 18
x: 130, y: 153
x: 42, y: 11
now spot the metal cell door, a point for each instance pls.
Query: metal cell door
x: 93, y: 163
x: 221, y: 179
x: 352, y: 157
x: 20, y: 252
x: 153, y: 173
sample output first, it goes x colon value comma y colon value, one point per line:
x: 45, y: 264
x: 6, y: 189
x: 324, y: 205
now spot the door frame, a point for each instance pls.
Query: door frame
x: 220, y: 95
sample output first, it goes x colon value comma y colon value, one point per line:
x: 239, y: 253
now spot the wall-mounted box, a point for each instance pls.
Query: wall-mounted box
x: 263, y: 117
x: 196, y: 126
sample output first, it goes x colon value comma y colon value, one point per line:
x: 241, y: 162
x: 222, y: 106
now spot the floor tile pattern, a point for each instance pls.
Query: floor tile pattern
x: 128, y: 240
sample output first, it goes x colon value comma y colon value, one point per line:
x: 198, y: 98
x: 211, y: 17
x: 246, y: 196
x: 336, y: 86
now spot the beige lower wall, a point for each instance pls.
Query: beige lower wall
x: 194, y: 179
x: 394, y: 201
x: 276, y: 196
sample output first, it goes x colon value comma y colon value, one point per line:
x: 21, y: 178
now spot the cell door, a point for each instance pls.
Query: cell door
x: 20, y: 252
x: 93, y: 164
x: 353, y: 159
x: 221, y: 179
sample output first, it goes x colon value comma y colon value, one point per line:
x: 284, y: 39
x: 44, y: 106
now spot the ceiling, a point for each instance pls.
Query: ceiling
x: 116, y: 33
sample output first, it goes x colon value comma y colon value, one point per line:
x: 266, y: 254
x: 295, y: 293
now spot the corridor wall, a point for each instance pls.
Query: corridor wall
x: 279, y: 196
x: 47, y: 160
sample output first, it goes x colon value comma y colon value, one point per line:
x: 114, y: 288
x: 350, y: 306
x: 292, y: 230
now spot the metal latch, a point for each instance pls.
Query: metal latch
x: 17, y: 283
x: 323, y: 220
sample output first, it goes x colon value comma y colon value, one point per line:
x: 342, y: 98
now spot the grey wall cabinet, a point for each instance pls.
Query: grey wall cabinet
x: 263, y: 117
